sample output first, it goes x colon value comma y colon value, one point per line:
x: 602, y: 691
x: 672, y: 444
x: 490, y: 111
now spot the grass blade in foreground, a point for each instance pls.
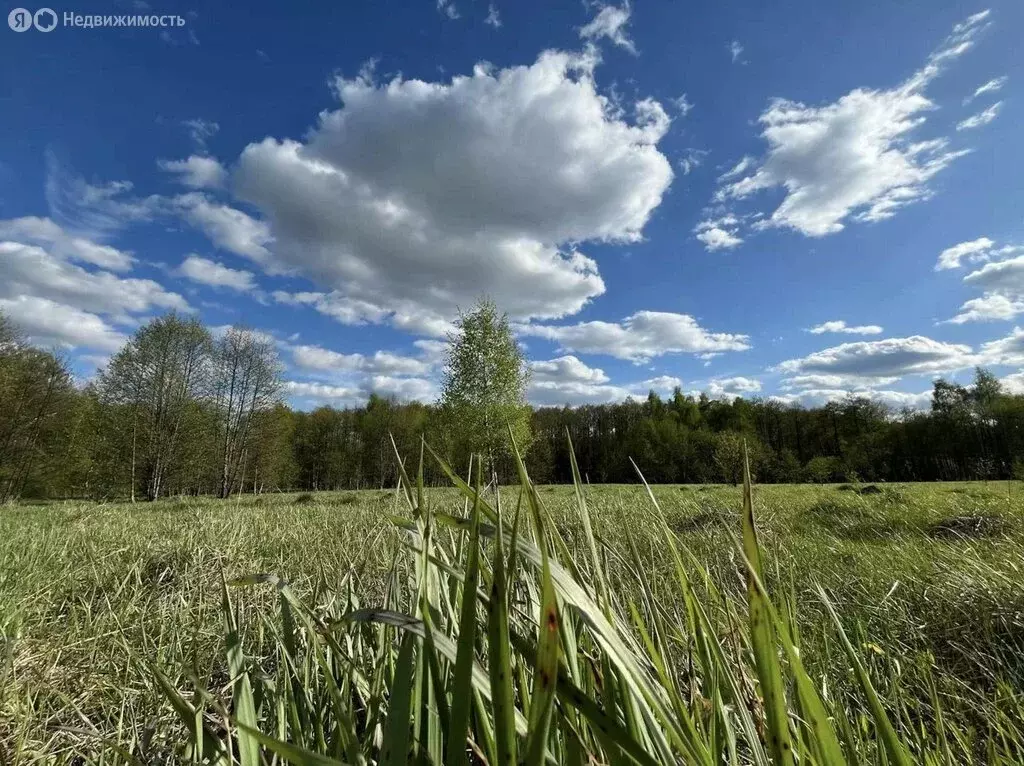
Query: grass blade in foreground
x: 762, y: 636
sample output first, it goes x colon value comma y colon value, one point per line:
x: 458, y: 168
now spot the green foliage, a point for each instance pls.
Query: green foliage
x: 484, y: 388
x: 177, y: 413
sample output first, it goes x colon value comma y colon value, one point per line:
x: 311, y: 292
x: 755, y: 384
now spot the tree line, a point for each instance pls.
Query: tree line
x: 179, y: 411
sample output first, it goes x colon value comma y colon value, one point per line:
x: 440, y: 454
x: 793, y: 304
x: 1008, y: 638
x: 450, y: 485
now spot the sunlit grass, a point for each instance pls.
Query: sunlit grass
x: 628, y: 629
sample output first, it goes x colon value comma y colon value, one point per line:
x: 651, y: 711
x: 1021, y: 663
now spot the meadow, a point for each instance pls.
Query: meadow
x: 127, y: 636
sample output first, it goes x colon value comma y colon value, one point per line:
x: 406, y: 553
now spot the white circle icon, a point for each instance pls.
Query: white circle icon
x: 20, y: 20
x: 45, y: 20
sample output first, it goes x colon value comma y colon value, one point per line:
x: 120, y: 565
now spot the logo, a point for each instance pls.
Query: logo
x: 45, y: 20
x: 20, y: 20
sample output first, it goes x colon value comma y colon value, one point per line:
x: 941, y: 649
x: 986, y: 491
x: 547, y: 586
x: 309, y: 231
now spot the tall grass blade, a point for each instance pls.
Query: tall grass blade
x: 894, y: 748
x: 762, y: 636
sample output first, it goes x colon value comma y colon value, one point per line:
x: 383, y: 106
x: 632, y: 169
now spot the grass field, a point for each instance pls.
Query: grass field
x: 927, y: 580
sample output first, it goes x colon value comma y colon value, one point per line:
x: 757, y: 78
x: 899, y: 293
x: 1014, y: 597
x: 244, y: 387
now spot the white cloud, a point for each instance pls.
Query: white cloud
x: 682, y: 105
x: 403, y: 389
x: 197, y: 171
x: 663, y: 384
x: 493, y: 18
x: 48, y: 323
x: 739, y: 168
x: 1006, y: 277
x: 856, y: 158
x: 692, y: 159
x: 447, y: 9
x: 642, y: 336
x: 867, y: 363
x: 840, y: 326
x: 983, y: 117
x: 610, y: 22
x: 566, y: 369
x: 719, y: 233
x: 207, y: 272
x: 433, y: 352
x: 414, y: 198
x: 89, y: 210
x: 990, y: 307
x: 975, y: 250
x: 32, y: 271
x: 1002, y: 281
x: 43, y: 231
x: 200, y: 131
x: 737, y: 386
x: 898, y: 400
x: 1014, y: 383
x: 404, y: 315
x: 992, y: 86
x: 384, y: 363
x: 735, y: 51
x: 321, y: 392
x: 821, y: 382
x: 574, y: 392
x: 1004, y: 351
x: 227, y: 227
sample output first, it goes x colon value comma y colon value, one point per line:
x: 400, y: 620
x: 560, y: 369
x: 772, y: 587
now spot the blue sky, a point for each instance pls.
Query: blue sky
x: 801, y: 202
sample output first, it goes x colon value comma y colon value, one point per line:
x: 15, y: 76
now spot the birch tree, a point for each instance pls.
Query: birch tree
x: 157, y: 380
x: 245, y: 384
x: 484, y: 385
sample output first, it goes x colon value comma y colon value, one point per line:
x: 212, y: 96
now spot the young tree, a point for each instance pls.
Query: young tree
x: 155, y: 381
x: 484, y: 385
x: 245, y: 380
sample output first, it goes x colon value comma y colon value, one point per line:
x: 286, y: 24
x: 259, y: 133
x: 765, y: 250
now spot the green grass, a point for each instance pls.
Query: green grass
x: 121, y: 641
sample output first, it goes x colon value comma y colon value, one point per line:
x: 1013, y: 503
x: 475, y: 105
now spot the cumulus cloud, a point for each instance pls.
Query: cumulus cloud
x: 419, y: 196
x: 735, y: 51
x: 719, y: 233
x: 46, y: 233
x: 227, y: 227
x: 640, y: 337
x: 867, y: 363
x: 1013, y: 383
x: 979, y: 249
x: 858, y: 158
x: 207, y: 272
x: 1004, y: 351
x: 992, y: 86
x: 574, y: 392
x: 818, y: 397
x: 990, y: 307
x: 723, y: 387
x: 323, y: 392
x: 385, y: 363
x: 610, y: 22
x: 1001, y: 280
x: 402, y: 389
x: 403, y: 315
x: 566, y: 369
x: 197, y: 172
x: 30, y: 270
x: 984, y: 117
x: 48, y: 323
x: 1006, y: 277
x: 840, y: 326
